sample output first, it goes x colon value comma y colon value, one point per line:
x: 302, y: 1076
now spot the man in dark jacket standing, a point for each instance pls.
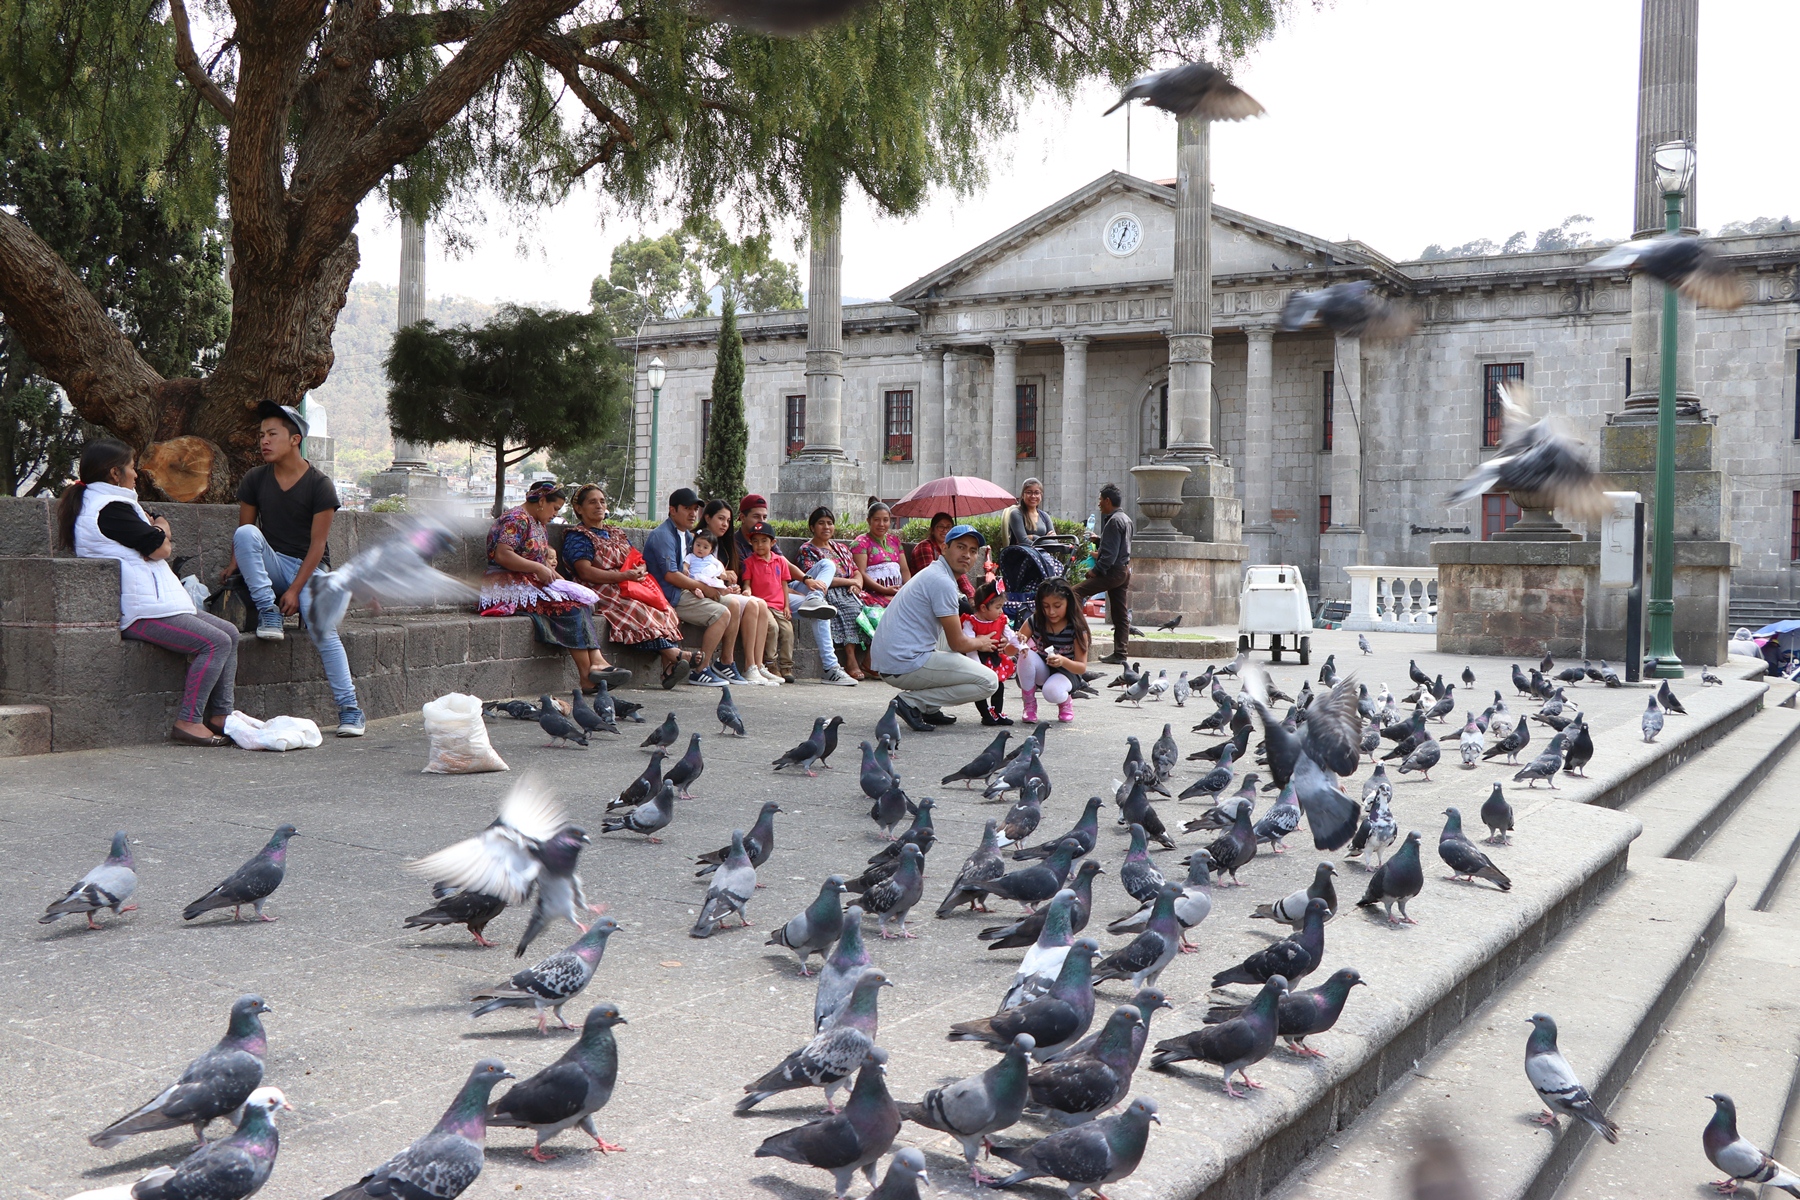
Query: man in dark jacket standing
x: 1112, y: 569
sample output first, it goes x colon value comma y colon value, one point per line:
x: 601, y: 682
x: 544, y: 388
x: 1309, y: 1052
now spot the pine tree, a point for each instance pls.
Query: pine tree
x: 727, y: 437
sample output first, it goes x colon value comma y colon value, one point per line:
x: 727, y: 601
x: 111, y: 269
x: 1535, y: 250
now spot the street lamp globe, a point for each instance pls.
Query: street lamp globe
x: 1673, y: 163
x: 656, y: 373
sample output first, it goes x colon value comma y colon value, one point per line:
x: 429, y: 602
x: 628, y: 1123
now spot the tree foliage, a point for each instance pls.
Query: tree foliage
x: 529, y: 380
x: 1574, y: 232
x: 727, y: 434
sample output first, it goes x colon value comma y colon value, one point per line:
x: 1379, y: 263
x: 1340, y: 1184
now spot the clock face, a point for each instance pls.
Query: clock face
x: 1123, y: 233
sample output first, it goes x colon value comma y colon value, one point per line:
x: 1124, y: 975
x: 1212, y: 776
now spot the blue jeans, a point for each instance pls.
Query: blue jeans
x: 267, y: 572
x: 824, y: 571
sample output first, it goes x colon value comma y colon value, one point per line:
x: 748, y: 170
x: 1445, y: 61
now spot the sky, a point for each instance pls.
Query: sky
x: 1395, y: 122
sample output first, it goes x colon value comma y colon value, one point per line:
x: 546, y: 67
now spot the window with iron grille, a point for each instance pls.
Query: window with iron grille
x: 1498, y: 514
x: 1025, y: 420
x: 1330, y: 398
x: 1794, y: 536
x: 1493, y: 377
x: 1628, y: 380
x: 1324, y: 513
x: 1797, y: 395
x: 795, y: 425
x: 897, y: 419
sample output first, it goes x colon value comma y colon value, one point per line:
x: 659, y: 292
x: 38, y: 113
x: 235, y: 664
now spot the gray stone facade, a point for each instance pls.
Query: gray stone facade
x: 1068, y: 310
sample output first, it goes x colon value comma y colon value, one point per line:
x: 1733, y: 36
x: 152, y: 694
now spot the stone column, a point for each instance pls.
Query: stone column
x: 1344, y: 543
x: 408, y: 456
x: 1073, y: 452
x: 1003, y: 449
x: 1260, y: 534
x: 823, y: 473
x: 929, y: 445
x: 1668, y: 69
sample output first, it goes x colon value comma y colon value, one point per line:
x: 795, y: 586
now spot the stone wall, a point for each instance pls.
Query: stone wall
x: 1490, y: 602
x: 1197, y: 581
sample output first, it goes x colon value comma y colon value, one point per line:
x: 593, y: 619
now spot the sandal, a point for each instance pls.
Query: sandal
x: 185, y: 738
x: 612, y: 677
x: 678, y: 672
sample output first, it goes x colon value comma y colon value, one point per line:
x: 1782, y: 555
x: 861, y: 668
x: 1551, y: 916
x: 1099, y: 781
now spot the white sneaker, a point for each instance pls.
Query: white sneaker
x: 768, y: 677
x: 837, y: 678
x: 817, y: 608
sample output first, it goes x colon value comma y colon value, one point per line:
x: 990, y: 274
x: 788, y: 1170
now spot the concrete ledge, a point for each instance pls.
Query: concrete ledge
x: 1760, y: 835
x: 24, y: 729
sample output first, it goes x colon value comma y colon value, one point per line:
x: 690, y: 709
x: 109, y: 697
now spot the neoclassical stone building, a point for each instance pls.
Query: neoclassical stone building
x: 1044, y: 351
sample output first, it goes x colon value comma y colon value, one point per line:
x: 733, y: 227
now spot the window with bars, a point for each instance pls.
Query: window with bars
x: 1324, y: 513
x: 794, y: 425
x: 897, y: 419
x: 1498, y: 514
x: 1493, y: 376
x: 1628, y: 384
x: 1025, y: 420
x: 1794, y: 535
x: 1796, y: 395
x: 1329, y: 398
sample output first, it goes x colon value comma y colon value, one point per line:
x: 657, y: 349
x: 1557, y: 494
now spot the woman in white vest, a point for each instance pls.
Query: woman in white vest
x: 100, y: 517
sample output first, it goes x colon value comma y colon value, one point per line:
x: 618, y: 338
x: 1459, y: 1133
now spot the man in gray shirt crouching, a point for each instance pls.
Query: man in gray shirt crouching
x: 920, y: 647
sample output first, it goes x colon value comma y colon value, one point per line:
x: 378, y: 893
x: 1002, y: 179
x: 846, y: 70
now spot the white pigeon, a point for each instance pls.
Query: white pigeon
x: 1472, y: 743
x: 1183, y: 689
x: 1159, y: 685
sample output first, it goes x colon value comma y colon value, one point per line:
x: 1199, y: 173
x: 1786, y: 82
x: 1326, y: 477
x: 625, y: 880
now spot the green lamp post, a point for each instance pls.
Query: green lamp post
x: 1673, y: 164
x: 655, y: 374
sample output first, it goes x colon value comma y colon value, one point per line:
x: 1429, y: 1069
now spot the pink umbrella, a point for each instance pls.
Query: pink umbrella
x: 958, y: 495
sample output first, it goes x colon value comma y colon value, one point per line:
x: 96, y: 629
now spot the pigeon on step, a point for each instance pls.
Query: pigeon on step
x: 1580, y: 750
x: 212, y: 1086
x: 1290, y: 910
x: 848, y: 1142
x: 1301, y: 1014
x: 1055, y: 1020
x: 1144, y: 958
x: 444, y: 1162
x: 108, y: 885
x: 1293, y: 958
x: 1026, y: 930
x: 1738, y: 1157
x: 1192, y: 906
x: 1090, y: 1155
x: 1497, y: 815
x: 552, y: 983
x: 1463, y: 859
x: 1077, y: 1087
x: 252, y: 884
x: 1396, y: 881
x: 971, y: 1109
x: 1665, y: 696
x: 570, y: 1090
x: 1545, y: 766
x: 1653, y: 721
x: 1044, y: 958
x: 1556, y: 1084
x: 817, y: 929
x: 1236, y: 1044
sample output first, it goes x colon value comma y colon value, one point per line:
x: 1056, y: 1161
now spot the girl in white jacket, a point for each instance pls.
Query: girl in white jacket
x: 100, y: 517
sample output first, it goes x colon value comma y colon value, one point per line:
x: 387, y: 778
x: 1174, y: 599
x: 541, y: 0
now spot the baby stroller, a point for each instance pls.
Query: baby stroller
x: 1023, y: 569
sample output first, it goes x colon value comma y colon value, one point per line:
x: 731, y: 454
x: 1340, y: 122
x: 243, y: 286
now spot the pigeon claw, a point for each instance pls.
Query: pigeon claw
x: 1302, y: 1050
x: 92, y: 924
x: 606, y: 1147
x: 1546, y: 1119
x: 1725, y: 1186
x: 481, y: 941
x: 537, y: 1154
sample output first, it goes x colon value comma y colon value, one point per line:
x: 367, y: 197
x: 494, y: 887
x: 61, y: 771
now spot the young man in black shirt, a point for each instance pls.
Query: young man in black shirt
x: 1112, y: 569
x: 285, y: 508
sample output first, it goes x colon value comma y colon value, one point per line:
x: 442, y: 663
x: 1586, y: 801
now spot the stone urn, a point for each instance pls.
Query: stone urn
x: 1537, y: 521
x: 1159, y: 500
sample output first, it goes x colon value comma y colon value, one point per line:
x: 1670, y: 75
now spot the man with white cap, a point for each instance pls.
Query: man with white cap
x: 920, y: 645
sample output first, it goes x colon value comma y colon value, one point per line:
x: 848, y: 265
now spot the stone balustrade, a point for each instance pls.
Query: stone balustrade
x: 1393, y: 599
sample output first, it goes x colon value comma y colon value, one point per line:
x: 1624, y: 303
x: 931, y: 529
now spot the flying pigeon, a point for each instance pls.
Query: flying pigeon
x: 648, y: 818
x: 1536, y: 456
x: 108, y: 885
x: 459, y: 906
x: 570, y: 1090
x: 688, y: 769
x: 1195, y: 89
x: 1329, y: 748
x: 847, y: 1142
x: 971, y: 1109
x: 1497, y: 815
x: 843, y: 967
x: 1354, y: 308
x: 1290, y: 910
x: 443, y: 1163
x: 1237, y: 1044
x: 732, y: 886
x: 1396, y: 881
x: 816, y: 929
x: 1653, y: 721
x: 552, y: 982
x: 730, y: 720
x: 1056, y: 1019
x: 252, y: 884
x: 233, y: 1168
x: 557, y: 727
x: 1293, y: 958
x: 806, y: 753
x: 393, y: 572
x: 983, y: 865
x: 211, y: 1086
x: 1686, y: 264
x: 1739, y: 1158
x: 983, y: 764
x: 1556, y: 1084
x: 1301, y: 1014
x: 832, y: 1055
x: 1463, y: 859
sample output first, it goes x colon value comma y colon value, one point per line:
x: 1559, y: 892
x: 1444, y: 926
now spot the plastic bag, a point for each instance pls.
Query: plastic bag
x: 276, y: 733
x: 196, y: 591
x: 459, y: 740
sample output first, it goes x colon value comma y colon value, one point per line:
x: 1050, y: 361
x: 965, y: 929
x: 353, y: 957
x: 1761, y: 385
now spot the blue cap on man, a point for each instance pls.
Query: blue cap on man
x: 962, y: 531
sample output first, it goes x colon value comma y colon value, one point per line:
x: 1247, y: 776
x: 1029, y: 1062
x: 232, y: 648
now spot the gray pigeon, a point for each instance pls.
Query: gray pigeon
x: 1653, y: 720
x: 817, y: 929
x: 888, y: 726
x: 1215, y: 781
x: 557, y: 727
x: 648, y: 818
x: 1086, y: 1156
x: 233, y: 1168
x: 212, y: 1086
x: 1235, y: 1045
x: 1224, y: 813
x: 1707, y: 677
x: 1302, y: 1014
x: 1463, y: 859
x: 843, y: 967
x: 1737, y: 1156
x: 890, y: 809
x: 1138, y: 875
x: 552, y: 982
x: 570, y: 1090
x: 730, y: 720
x: 733, y: 884
x: 1497, y: 815
x: 1684, y: 263
x: 1396, y: 881
x: 1423, y: 757
x: 1279, y: 821
x: 874, y: 778
x: 1014, y: 775
x: 604, y: 708
x: 687, y: 770
x: 848, y: 1142
x: 1023, y: 818
x: 1293, y: 958
x: 1192, y: 906
x: 252, y: 884
x: 1139, y: 688
x: 980, y: 867
x: 1471, y: 743
x: 1290, y: 910
x: 585, y: 716
x: 663, y: 736
x: 1330, y: 746
x: 1545, y: 766
x: 108, y: 885
x: 1080, y: 1085
x: 1350, y: 308
x: 971, y: 1109
x: 643, y: 787
x: 1362, y: 643
x: 443, y: 1163
x: 1535, y: 456
x: 1665, y: 696
x: 759, y: 843
x: 1182, y: 690
x: 983, y: 764
x: 1143, y: 959
x: 1556, y: 1084
x: 895, y: 896
x: 1164, y: 753
x: 906, y: 1171
x: 1055, y: 1020
x: 1195, y: 89
x: 832, y: 1054
x: 806, y: 753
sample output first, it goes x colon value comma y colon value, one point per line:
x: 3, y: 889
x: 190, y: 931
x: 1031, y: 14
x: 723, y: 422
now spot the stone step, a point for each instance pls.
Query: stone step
x: 24, y: 729
x: 1759, y: 840
x: 1608, y: 1004
x: 1736, y: 1031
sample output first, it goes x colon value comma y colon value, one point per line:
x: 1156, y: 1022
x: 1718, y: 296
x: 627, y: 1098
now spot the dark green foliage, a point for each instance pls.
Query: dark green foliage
x: 605, y: 460
x: 727, y: 435
x: 39, y: 438
x: 529, y: 380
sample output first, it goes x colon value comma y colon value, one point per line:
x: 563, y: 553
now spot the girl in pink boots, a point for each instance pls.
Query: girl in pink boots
x: 1056, y: 649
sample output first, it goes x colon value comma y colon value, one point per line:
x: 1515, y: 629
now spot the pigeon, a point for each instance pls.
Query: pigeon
x: 688, y: 769
x: 782, y: 18
x: 983, y: 865
x: 1192, y: 906
x: 1085, y: 833
x: 1580, y: 750
x: 1144, y: 958
x: 1195, y: 89
x: 843, y: 967
x: 921, y: 834
x: 1424, y: 756
x: 1328, y: 749
x: 1396, y: 881
x: 1038, y: 737
x: 888, y: 726
x: 1128, y: 675
x: 1215, y: 781
x: 806, y: 753
x: 1556, y: 1084
x: 832, y: 1054
x: 828, y: 742
x: 552, y: 982
x: 1023, y: 817
x: 1378, y: 829
x: 895, y: 896
x: 1025, y: 930
x: 1547, y: 664
x: 570, y: 1090
x: 906, y: 1171
x: 1653, y: 721
x: 816, y: 929
x: 1301, y: 1014
x: 1135, y: 692
x: 1236, y: 848
x: 1089, y: 1155
x: 873, y: 778
x: 1573, y: 675
x: 530, y: 849
x: 559, y: 728
x: 1468, y: 677
x: 459, y: 906
x: 211, y: 1086
x: 628, y: 710
x: 1362, y: 643
x: 1033, y: 885
x: 1684, y: 263
x: 1138, y: 874
x: 848, y: 1142
x: 1463, y: 859
x: 759, y: 843
x: 396, y: 571
x: 730, y: 720
x: 606, y: 714
x: 233, y: 1168
x: 586, y: 717
x: 890, y: 809
x: 1555, y: 721
x: 1520, y: 682
x: 1665, y: 696
x: 1707, y: 678
x: 1170, y: 625
x: 1471, y: 743
x: 1079, y: 1086
x: 443, y: 1163
x: 1044, y: 958
x: 1137, y: 810
x: 643, y: 787
x: 733, y: 884
x: 1159, y: 686
x: 1610, y: 677
x: 664, y: 736
x: 1545, y: 766
x: 1328, y: 670
x: 108, y: 885
x: 1183, y: 689
x: 1290, y: 910
x: 1293, y: 958
x: 1147, y: 1001
x: 1164, y: 753
x: 983, y: 764
x: 1413, y: 673
x: 1739, y: 1158
x: 1279, y: 821
x: 648, y: 818
x: 1554, y: 705
x: 1497, y: 815
x: 518, y: 710
x: 1236, y: 1044
x: 1353, y: 308
x: 252, y: 884
x: 1444, y: 707
x: 1536, y: 456
x: 1511, y: 744
x: 970, y: 1109
x: 1055, y: 1020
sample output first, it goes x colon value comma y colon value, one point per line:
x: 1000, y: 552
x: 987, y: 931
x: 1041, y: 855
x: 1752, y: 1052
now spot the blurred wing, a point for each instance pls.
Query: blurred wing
x: 1438, y: 1172
x: 496, y: 863
x: 1333, y: 732
x: 1389, y: 320
x: 1300, y: 309
x: 1712, y: 283
x: 394, y: 573
x: 782, y: 18
x: 1227, y: 102
x: 531, y: 810
x: 1624, y: 254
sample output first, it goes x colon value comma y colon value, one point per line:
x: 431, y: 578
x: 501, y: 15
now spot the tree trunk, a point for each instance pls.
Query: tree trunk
x: 499, y: 480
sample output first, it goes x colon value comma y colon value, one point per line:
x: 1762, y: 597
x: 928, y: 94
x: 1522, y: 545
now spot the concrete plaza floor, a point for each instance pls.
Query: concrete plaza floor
x: 370, y: 1033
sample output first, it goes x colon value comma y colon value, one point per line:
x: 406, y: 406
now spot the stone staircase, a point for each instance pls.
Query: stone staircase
x: 1682, y: 979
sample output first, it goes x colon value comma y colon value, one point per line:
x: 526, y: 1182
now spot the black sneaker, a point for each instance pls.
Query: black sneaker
x: 914, y: 721
x: 939, y: 718
x: 989, y: 717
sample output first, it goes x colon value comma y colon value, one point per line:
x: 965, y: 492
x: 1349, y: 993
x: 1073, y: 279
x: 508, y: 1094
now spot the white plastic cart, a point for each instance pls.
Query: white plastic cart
x: 1273, y: 604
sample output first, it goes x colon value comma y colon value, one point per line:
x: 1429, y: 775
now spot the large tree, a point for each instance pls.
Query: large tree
x: 303, y: 108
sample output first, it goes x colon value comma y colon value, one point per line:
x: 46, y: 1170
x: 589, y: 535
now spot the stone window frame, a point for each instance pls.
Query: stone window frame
x: 1483, y: 360
x: 1790, y: 376
x: 888, y: 391
x: 789, y: 427
x: 1327, y: 408
x: 1324, y: 513
x: 1036, y: 446
x: 1794, y: 530
x: 1493, y: 427
x: 1157, y: 390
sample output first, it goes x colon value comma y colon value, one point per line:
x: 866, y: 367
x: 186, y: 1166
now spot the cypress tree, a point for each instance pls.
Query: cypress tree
x: 727, y: 436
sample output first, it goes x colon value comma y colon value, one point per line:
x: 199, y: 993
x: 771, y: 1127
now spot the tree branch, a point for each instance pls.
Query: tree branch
x: 562, y: 58
x: 189, y: 62
x: 394, y: 35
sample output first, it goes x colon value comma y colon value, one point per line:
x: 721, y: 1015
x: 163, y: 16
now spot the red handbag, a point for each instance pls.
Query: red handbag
x: 645, y: 590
